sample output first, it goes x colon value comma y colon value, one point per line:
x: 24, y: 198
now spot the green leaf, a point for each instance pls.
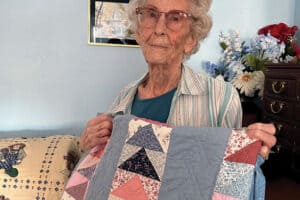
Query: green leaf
x: 256, y: 63
x: 223, y: 45
x: 290, y: 50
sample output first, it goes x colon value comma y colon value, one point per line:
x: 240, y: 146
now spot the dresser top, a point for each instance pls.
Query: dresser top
x: 283, y: 66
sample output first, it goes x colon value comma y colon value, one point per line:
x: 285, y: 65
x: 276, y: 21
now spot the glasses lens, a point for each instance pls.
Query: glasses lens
x: 175, y: 20
x: 148, y: 17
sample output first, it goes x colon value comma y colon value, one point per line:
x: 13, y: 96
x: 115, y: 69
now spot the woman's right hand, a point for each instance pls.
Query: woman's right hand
x: 97, y: 131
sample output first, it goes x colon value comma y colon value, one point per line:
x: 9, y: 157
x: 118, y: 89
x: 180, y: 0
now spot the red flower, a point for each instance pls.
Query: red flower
x: 280, y: 31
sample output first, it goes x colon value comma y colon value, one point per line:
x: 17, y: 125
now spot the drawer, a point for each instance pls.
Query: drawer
x: 284, y: 132
x: 296, y: 137
x: 287, y: 135
x: 295, y: 164
x: 298, y: 91
x: 279, y: 108
x: 282, y: 88
x: 297, y: 112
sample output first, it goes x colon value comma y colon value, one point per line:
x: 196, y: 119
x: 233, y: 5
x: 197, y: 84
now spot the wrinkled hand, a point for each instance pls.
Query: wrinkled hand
x: 265, y: 133
x: 97, y: 131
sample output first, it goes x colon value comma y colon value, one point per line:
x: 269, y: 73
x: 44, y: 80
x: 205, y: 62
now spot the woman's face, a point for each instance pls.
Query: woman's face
x: 162, y: 43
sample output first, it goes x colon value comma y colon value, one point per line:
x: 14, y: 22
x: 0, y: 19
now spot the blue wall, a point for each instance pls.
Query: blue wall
x: 50, y: 78
x: 297, y: 20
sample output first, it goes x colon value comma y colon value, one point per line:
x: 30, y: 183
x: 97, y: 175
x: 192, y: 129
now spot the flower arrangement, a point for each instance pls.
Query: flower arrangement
x: 243, y: 64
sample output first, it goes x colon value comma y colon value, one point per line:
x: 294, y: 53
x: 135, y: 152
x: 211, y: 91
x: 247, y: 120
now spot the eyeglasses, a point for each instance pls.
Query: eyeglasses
x: 174, y: 19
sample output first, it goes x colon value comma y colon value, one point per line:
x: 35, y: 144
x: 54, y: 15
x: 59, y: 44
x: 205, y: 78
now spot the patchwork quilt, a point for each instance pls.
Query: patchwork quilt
x: 147, y: 160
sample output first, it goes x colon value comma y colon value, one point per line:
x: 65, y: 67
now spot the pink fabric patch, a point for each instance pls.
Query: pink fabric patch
x: 77, y: 179
x: 133, y: 189
x: 237, y: 140
x: 93, y: 158
x: 151, y: 187
x: 88, y: 162
x: 121, y: 177
x: 219, y: 196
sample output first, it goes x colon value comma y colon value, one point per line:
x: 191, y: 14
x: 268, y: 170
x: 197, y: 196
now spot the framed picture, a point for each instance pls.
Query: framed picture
x: 108, y: 23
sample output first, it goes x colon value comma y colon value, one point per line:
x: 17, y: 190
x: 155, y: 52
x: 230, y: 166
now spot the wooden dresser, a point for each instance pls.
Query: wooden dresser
x: 281, y: 105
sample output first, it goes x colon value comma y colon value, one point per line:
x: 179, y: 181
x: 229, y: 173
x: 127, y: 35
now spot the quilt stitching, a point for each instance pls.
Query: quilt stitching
x: 153, y: 140
x: 142, y: 163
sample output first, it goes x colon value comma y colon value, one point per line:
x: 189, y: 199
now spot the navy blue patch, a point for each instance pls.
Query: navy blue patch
x: 139, y: 163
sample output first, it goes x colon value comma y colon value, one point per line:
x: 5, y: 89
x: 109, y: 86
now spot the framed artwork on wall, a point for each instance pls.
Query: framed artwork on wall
x: 108, y: 23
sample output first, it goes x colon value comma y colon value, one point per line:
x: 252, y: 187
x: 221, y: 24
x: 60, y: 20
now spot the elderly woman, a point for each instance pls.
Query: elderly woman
x: 168, y: 32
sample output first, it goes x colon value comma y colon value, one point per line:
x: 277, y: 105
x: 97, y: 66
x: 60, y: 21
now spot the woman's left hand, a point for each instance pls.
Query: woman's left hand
x: 265, y: 133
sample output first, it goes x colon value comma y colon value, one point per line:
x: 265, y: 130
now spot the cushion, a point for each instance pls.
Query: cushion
x: 36, y: 168
x: 149, y: 160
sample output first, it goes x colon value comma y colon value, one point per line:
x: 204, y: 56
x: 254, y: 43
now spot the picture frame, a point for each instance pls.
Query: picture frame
x: 108, y: 23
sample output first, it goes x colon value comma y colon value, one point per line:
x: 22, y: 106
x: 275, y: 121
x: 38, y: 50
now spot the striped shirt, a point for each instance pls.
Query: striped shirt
x: 199, y: 101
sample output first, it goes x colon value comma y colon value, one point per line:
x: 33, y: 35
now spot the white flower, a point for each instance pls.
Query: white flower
x: 268, y: 41
x: 282, y: 48
x: 288, y: 59
x: 237, y: 44
x: 237, y: 67
x: 245, y: 83
x: 224, y: 38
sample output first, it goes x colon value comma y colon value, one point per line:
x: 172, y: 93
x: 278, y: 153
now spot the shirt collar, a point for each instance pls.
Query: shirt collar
x: 192, y: 83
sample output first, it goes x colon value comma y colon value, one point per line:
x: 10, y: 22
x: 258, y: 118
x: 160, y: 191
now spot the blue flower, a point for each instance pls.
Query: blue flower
x: 210, y: 68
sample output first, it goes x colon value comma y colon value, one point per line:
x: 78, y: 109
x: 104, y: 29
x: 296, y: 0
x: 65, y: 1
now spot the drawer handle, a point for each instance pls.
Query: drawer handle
x: 280, y: 85
x: 277, y: 148
x: 280, y: 107
x: 278, y: 127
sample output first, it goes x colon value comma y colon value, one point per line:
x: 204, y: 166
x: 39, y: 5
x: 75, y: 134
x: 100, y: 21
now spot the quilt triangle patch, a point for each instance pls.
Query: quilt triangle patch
x: 158, y: 161
x: 77, y: 191
x: 246, y: 155
x: 139, y: 163
x: 127, y: 151
x: 87, y: 172
x: 88, y: 162
x: 163, y: 135
x: 133, y: 189
x: 77, y: 179
x: 144, y: 137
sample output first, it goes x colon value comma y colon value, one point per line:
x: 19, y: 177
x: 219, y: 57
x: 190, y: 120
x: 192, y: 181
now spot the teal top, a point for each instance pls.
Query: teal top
x: 157, y: 108
x: 199, y: 101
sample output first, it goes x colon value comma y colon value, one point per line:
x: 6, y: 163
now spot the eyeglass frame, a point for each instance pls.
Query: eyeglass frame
x: 180, y: 12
